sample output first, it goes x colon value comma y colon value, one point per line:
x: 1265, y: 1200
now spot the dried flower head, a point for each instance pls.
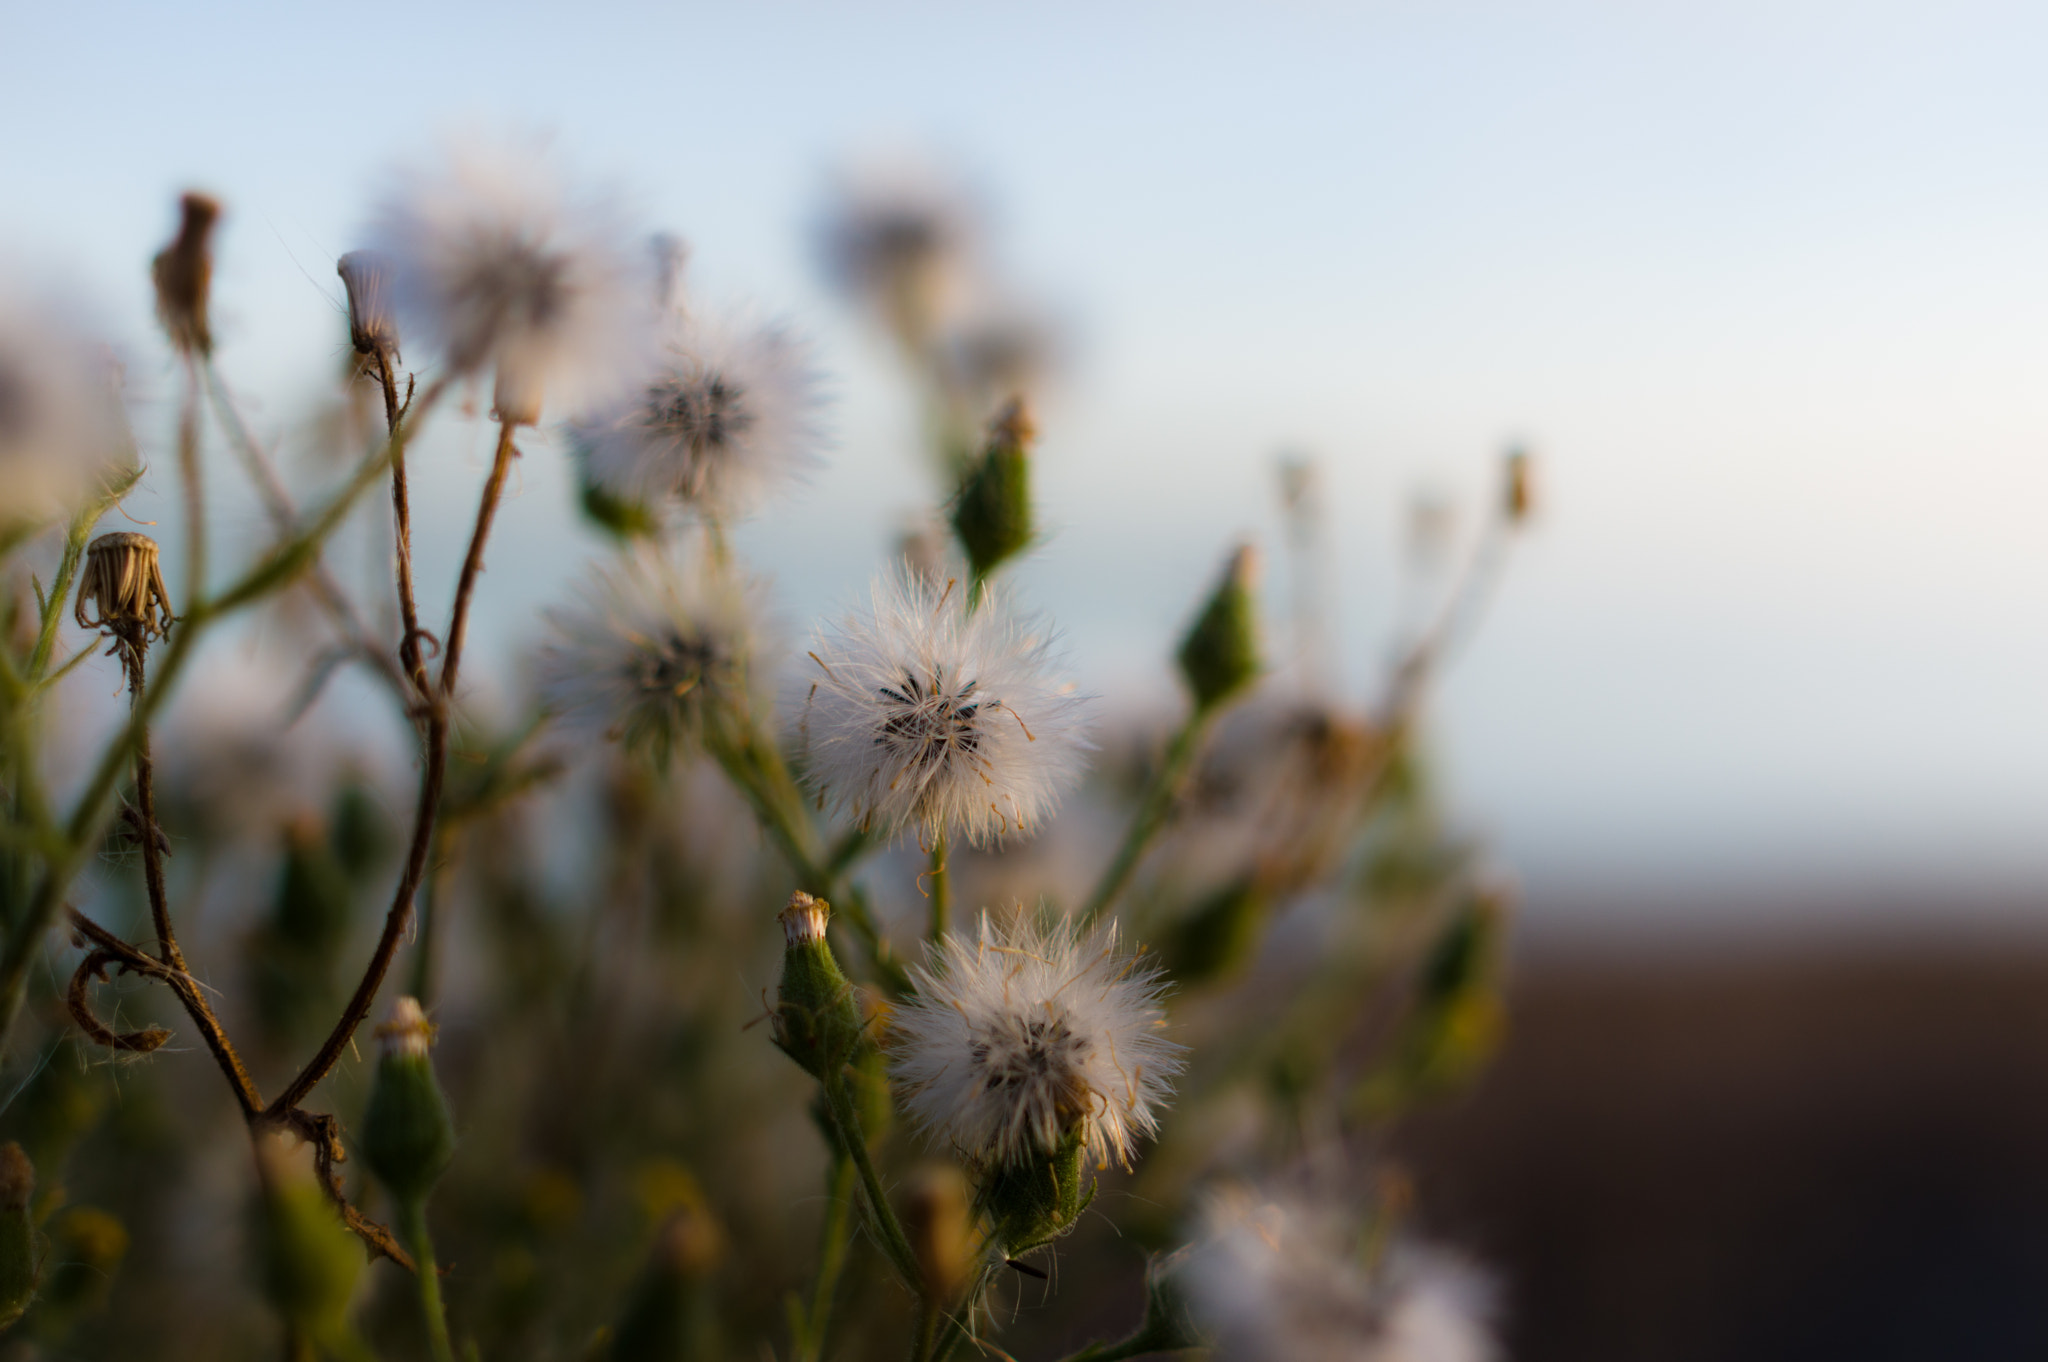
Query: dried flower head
x: 62, y: 432
x: 655, y: 653
x: 372, y: 328
x: 729, y: 414
x: 930, y: 715
x: 183, y: 273
x: 1282, y: 1279
x: 803, y: 921
x: 1024, y: 1035
x: 901, y: 240
x: 500, y: 264
x: 124, y: 584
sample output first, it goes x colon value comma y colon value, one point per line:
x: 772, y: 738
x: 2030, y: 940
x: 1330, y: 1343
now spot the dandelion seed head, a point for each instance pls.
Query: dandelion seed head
x: 930, y: 716
x: 654, y: 652
x: 1280, y: 1279
x: 901, y: 239
x: 728, y: 415
x: 499, y: 262
x: 1020, y: 1035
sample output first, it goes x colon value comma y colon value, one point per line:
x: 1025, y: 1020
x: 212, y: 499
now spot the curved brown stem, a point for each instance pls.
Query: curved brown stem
x: 401, y: 510
x: 431, y: 780
x: 79, y: 997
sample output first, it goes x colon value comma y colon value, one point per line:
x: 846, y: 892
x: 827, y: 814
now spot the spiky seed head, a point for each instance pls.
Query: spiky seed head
x: 1022, y: 1037
x: 927, y: 715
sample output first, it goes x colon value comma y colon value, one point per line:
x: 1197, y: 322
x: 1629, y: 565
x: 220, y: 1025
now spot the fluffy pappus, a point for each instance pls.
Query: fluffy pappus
x: 654, y: 653
x: 925, y: 714
x: 728, y: 415
x: 1020, y: 1034
x: 499, y: 263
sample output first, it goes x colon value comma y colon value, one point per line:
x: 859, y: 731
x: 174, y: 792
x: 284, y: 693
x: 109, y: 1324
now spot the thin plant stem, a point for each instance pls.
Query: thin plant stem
x: 412, y: 1228
x: 401, y: 511
x: 194, y: 1000
x: 1151, y: 815
x: 956, y: 1321
x: 440, y: 861
x: 431, y: 781
x: 940, y: 882
x: 834, y: 1238
x: 189, y: 476
x: 882, y: 1219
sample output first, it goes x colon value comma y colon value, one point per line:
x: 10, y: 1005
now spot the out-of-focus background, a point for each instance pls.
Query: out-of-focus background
x: 1756, y: 717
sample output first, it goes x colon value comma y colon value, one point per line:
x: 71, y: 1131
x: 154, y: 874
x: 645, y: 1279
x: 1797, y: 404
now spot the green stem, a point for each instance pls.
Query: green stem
x: 957, y: 1321
x: 1151, y: 815
x: 412, y: 1229
x: 941, y: 889
x: 195, y: 489
x: 833, y: 1241
x: 881, y: 1216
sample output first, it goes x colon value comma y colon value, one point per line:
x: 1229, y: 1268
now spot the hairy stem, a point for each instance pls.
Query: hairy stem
x: 412, y: 1228
x: 401, y: 510
x: 1151, y: 814
x: 882, y: 1219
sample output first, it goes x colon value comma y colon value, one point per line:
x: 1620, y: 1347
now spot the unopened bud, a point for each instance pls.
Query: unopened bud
x: 183, y: 272
x: 1220, y: 655
x: 309, y: 1260
x: 371, y: 325
x: 18, y: 1266
x: 940, y: 1224
x: 124, y: 584
x: 408, y: 1135
x: 992, y: 515
x: 817, y: 1018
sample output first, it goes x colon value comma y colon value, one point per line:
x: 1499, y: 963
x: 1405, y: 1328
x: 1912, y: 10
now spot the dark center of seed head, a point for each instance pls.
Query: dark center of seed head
x: 928, y: 723
x: 704, y: 414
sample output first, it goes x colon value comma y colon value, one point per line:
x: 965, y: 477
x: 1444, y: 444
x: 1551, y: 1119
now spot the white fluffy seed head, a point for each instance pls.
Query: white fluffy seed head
x: 728, y: 415
x: 656, y: 651
x: 499, y: 263
x: 62, y: 432
x: 1020, y: 1034
x: 925, y: 714
x: 1281, y: 1279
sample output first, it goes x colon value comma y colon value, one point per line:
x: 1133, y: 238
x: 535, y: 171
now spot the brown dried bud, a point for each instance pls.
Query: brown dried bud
x: 183, y: 272
x: 124, y: 583
x: 371, y: 326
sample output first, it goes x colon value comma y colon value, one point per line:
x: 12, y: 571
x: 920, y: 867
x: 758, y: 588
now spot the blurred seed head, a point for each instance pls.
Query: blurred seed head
x: 63, y: 435
x: 901, y: 240
x: 372, y: 326
x: 502, y: 263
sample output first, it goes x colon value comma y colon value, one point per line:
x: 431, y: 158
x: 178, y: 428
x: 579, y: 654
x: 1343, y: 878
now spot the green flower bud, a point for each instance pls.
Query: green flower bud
x: 1220, y: 655
x: 408, y: 1135
x: 817, y: 1020
x: 992, y: 514
x: 309, y: 1260
x: 18, y: 1265
x: 616, y: 515
x: 1037, y: 1199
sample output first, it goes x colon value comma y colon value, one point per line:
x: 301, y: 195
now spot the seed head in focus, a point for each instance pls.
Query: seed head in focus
x: 925, y: 714
x: 499, y: 262
x: 655, y: 651
x: 729, y: 415
x: 1023, y: 1035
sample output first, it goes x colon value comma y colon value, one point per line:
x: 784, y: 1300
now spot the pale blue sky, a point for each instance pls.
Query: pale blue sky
x: 1765, y: 286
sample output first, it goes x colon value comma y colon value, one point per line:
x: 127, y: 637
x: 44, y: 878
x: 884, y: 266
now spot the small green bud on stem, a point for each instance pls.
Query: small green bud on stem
x: 817, y: 1019
x: 408, y: 1134
x: 1220, y: 655
x: 992, y: 514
